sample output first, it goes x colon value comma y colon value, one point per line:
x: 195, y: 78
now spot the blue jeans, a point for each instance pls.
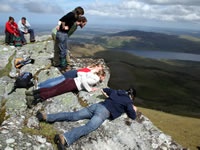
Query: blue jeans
x: 62, y: 43
x: 97, y: 113
x: 32, y: 36
x: 54, y: 81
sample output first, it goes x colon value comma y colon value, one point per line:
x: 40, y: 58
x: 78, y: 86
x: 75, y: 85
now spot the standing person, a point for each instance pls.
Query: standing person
x: 11, y: 31
x: 69, y: 85
x: 81, y: 22
x: 70, y: 74
x: 25, y: 28
x: 116, y: 103
x: 67, y: 22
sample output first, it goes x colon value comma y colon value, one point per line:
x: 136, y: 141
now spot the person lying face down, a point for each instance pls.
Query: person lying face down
x: 116, y: 103
x: 95, y: 67
x: 84, y: 82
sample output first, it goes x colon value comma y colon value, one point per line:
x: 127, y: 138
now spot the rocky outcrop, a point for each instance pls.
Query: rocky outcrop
x: 120, y: 134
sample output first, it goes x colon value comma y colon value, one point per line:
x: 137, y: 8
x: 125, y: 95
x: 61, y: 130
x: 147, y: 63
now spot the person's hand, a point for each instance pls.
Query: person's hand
x: 66, y: 27
x: 57, y: 27
x: 94, y: 89
x: 135, y: 108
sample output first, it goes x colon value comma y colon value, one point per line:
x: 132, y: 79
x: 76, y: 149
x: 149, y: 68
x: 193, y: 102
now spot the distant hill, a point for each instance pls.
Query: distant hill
x: 135, y: 39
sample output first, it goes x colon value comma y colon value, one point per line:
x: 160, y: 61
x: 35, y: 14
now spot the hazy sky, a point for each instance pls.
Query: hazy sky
x: 169, y: 13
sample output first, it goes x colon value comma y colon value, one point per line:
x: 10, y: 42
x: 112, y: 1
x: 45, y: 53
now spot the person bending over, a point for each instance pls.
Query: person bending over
x: 116, y: 103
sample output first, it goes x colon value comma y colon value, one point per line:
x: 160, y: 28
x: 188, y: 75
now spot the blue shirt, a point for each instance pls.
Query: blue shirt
x: 118, y: 103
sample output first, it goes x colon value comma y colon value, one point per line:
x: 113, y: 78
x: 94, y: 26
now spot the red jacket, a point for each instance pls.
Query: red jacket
x: 12, y: 28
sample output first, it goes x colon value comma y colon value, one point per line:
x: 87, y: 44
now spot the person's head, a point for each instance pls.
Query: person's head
x: 11, y: 19
x: 101, y: 74
x: 81, y: 21
x: 79, y: 11
x: 96, y: 67
x: 23, y: 20
x: 132, y: 93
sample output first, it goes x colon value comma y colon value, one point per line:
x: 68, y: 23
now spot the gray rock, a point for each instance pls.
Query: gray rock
x: 120, y: 134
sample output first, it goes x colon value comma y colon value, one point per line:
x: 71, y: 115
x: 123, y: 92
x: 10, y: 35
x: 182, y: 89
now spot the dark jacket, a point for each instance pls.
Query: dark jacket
x: 118, y: 103
x: 69, y: 20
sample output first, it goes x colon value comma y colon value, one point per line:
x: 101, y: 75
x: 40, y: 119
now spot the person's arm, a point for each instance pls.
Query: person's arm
x: 58, y: 26
x: 131, y: 111
x: 104, y: 93
x: 9, y: 28
x: 28, y: 24
x: 20, y: 26
x: 89, y: 79
x: 108, y: 91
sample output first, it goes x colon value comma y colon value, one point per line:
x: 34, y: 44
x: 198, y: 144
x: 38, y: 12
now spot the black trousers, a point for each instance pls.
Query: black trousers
x: 8, y: 38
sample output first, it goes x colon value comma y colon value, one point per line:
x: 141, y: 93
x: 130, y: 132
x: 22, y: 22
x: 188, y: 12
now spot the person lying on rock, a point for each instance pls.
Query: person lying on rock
x: 69, y: 85
x: 95, y: 67
x: 116, y: 103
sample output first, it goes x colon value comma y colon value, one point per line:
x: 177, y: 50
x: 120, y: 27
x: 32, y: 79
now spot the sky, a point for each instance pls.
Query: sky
x: 155, y: 13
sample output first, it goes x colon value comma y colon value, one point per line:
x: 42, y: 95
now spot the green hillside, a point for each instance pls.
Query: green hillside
x: 141, y: 40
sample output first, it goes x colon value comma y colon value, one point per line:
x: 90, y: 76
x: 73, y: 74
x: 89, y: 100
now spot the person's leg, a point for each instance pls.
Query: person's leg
x: 62, y: 40
x: 32, y: 36
x: 61, y: 88
x: 54, y: 81
x: 7, y: 35
x: 51, y: 82
x: 22, y: 37
x: 70, y: 116
x: 11, y: 39
x: 56, y: 57
x: 99, y: 114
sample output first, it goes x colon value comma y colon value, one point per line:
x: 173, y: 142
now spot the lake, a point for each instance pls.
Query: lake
x: 165, y: 55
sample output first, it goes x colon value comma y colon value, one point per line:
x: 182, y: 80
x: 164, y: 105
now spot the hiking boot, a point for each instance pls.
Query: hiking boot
x: 41, y: 117
x: 29, y: 101
x: 29, y: 93
x: 65, y: 69
x: 60, y: 141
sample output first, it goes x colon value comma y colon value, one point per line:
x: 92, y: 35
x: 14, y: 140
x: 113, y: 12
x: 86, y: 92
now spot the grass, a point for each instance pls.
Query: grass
x: 184, y: 130
x: 3, y: 111
x: 5, y: 71
x: 45, y: 130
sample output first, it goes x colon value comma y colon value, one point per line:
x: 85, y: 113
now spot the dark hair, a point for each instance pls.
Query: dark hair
x: 131, y: 92
x: 24, y: 18
x: 79, y: 11
x: 11, y: 18
x: 82, y: 19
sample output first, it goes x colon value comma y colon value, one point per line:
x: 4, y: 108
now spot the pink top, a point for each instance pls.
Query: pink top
x: 84, y: 70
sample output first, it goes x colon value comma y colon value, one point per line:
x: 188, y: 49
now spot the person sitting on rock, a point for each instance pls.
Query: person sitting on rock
x: 70, y: 85
x: 25, y: 28
x: 116, y: 103
x: 95, y: 67
x: 11, y: 31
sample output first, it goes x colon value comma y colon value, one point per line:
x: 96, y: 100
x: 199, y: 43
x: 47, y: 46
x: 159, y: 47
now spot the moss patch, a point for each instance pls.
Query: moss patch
x: 5, y: 71
x: 3, y: 111
x: 45, y: 130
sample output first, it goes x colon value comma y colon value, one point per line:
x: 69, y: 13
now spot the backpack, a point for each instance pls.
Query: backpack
x: 17, y: 41
x: 24, y: 80
x: 20, y: 62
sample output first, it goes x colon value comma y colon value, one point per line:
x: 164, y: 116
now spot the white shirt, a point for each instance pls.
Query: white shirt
x: 24, y: 28
x: 86, y: 80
